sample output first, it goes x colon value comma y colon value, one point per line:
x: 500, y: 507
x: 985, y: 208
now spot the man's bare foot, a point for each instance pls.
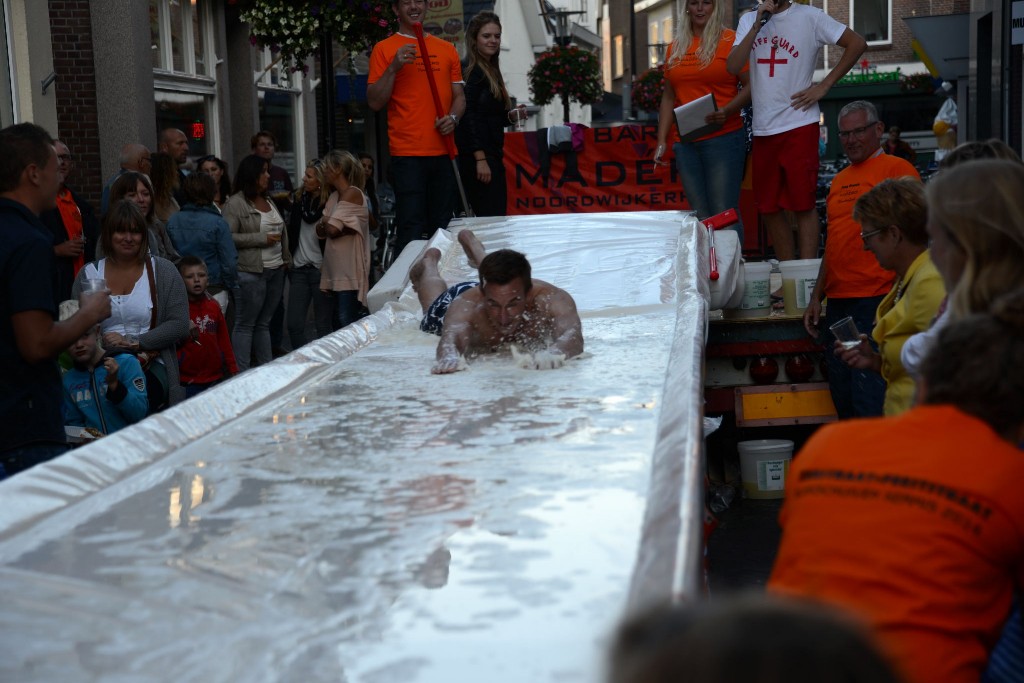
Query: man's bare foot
x: 471, y: 245
x: 431, y: 255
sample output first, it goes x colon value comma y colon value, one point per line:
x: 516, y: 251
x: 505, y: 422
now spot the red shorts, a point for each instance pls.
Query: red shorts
x: 785, y: 169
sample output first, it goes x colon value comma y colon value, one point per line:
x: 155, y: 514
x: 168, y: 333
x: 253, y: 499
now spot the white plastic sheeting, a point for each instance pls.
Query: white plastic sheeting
x: 343, y: 515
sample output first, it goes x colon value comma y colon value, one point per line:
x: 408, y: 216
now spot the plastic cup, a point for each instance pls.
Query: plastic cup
x: 518, y: 117
x: 90, y: 287
x: 131, y: 334
x: 846, y: 332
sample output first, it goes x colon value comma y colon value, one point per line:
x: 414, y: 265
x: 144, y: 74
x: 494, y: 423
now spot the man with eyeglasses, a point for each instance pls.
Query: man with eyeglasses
x: 425, y: 185
x: 850, y: 276
x: 73, y: 225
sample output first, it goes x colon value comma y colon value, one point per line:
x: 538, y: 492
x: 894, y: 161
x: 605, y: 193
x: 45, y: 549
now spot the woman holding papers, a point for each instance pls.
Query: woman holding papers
x: 711, y: 157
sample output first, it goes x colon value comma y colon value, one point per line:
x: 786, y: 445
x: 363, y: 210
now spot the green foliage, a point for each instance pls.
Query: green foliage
x: 293, y: 28
x: 566, y: 71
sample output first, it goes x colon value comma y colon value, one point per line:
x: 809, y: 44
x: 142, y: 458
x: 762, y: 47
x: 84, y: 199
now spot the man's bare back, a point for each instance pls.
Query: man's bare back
x: 539, y: 319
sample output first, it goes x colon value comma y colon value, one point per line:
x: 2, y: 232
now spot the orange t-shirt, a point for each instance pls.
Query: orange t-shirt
x: 71, y: 216
x: 850, y: 271
x: 916, y: 524
x: 689, y: 81
x: 411, y: 115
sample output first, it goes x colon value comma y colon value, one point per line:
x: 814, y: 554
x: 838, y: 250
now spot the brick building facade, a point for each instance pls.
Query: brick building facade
x: 77, y: 118
x: 115, y: 72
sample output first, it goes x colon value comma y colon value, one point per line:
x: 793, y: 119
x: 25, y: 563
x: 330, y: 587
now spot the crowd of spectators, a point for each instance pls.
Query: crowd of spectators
x: 193, y: 271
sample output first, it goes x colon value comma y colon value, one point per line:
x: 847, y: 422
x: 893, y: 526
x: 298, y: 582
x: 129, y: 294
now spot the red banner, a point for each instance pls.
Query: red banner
x: 612, y: 171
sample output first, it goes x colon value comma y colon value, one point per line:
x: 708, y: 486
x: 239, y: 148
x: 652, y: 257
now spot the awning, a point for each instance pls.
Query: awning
x: 943, y: 43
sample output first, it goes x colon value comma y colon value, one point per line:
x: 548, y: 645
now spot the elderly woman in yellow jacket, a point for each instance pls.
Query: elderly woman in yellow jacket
x: 893, y: 217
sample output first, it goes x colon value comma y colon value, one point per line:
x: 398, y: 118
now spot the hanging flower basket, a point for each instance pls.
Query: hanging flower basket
x: 648, y: 89
x: 293, y: 28
x: 569, y: 72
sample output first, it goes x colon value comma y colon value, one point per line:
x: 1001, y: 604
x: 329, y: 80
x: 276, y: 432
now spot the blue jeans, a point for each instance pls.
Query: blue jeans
x: 712, y: 171
x: 22, y: 458
x: 425, y: 192
x: 1004, y: 660
x: 855, y: 393
x: 303, y: 287
x: 257, y: 298
x: 347, y: 308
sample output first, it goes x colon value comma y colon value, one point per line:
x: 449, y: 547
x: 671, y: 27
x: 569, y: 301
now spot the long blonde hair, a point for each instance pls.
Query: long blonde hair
x: 489, y: 66
x: 708, y: 42
x: 980, y: 207
x: 318, y: 171
x: 343, y: 162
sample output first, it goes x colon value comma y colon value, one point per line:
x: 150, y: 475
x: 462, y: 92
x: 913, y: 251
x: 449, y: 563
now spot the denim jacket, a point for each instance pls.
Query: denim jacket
x: 201, y: 231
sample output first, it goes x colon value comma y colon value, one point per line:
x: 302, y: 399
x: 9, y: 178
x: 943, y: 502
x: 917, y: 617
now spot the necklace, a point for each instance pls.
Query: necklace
x: 900, y: 286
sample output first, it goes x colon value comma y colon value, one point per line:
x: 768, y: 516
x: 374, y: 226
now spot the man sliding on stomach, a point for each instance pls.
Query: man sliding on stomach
x: 507, y: 309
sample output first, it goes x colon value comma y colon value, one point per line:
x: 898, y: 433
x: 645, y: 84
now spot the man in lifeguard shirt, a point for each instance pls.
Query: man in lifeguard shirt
x: 782, y: 54
x: 425, y: 186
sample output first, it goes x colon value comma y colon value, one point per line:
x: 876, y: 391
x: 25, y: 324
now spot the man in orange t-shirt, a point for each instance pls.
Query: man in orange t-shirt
x: 73, y: 225
x: 424, y: 177
x: 916, y: 522
x: 850, y: 275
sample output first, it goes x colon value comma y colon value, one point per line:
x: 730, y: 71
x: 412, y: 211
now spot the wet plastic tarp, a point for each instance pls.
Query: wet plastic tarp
x: 343, y: 515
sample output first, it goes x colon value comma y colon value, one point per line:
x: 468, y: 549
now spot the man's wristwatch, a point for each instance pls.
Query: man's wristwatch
x: 454, y: 118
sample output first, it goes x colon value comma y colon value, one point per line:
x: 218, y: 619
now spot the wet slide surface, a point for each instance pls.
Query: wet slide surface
x: 365, y: 520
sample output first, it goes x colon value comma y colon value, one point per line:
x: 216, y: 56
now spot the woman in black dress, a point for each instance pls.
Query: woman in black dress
x: 481, y: 133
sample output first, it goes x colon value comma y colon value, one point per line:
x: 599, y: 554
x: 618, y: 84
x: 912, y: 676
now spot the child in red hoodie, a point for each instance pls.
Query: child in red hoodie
x: 206, y: 357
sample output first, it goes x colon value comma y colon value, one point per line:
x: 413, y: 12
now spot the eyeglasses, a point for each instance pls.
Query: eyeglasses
x: 865, y: 235
x: 856, y: 132
x: 64, y: 157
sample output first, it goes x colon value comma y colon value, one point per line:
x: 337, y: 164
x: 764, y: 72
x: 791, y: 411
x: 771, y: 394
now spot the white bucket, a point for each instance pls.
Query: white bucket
x: 798, y: 278
x: 764, y: 466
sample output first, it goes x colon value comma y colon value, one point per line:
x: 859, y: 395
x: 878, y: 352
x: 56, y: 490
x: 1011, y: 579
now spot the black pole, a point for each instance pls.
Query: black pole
x: 327, y: 92
x: 632, y: 41
x: 564, y: 41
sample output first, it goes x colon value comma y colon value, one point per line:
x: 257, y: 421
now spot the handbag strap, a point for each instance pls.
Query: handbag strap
x: 152, y: 291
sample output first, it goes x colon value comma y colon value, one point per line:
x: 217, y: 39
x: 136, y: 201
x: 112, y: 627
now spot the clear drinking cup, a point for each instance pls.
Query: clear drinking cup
x: 132, y: 333
x: 846, y: 332
x: 89, y: 287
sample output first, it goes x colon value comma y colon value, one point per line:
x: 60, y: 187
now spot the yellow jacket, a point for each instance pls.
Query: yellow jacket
x: 897, y: 319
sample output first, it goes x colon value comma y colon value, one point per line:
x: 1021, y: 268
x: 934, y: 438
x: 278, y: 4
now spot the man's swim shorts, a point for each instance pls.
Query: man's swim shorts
x: 433, y: 319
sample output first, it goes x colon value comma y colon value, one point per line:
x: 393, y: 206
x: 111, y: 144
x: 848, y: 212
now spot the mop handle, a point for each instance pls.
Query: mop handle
x: 714, y: 258
x: 717, y: 222
x: 428, y: 67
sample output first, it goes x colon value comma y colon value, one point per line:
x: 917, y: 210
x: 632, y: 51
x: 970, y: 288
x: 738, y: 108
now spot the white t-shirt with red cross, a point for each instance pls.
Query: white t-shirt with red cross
x: 782, y: 62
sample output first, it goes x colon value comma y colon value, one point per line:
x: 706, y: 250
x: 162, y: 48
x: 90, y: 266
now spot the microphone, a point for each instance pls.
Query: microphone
x: 764, y: 20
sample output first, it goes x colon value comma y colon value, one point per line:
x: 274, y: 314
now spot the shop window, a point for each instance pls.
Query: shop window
x: 188, y: 112
x: 618, y: 67
x: 280, y: 104
x: 184, y: 71
x: 873, y: 20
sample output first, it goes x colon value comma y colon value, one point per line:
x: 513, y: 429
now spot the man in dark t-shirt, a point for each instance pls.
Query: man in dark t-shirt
x: 264, y: 144
x: 31, y: 422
